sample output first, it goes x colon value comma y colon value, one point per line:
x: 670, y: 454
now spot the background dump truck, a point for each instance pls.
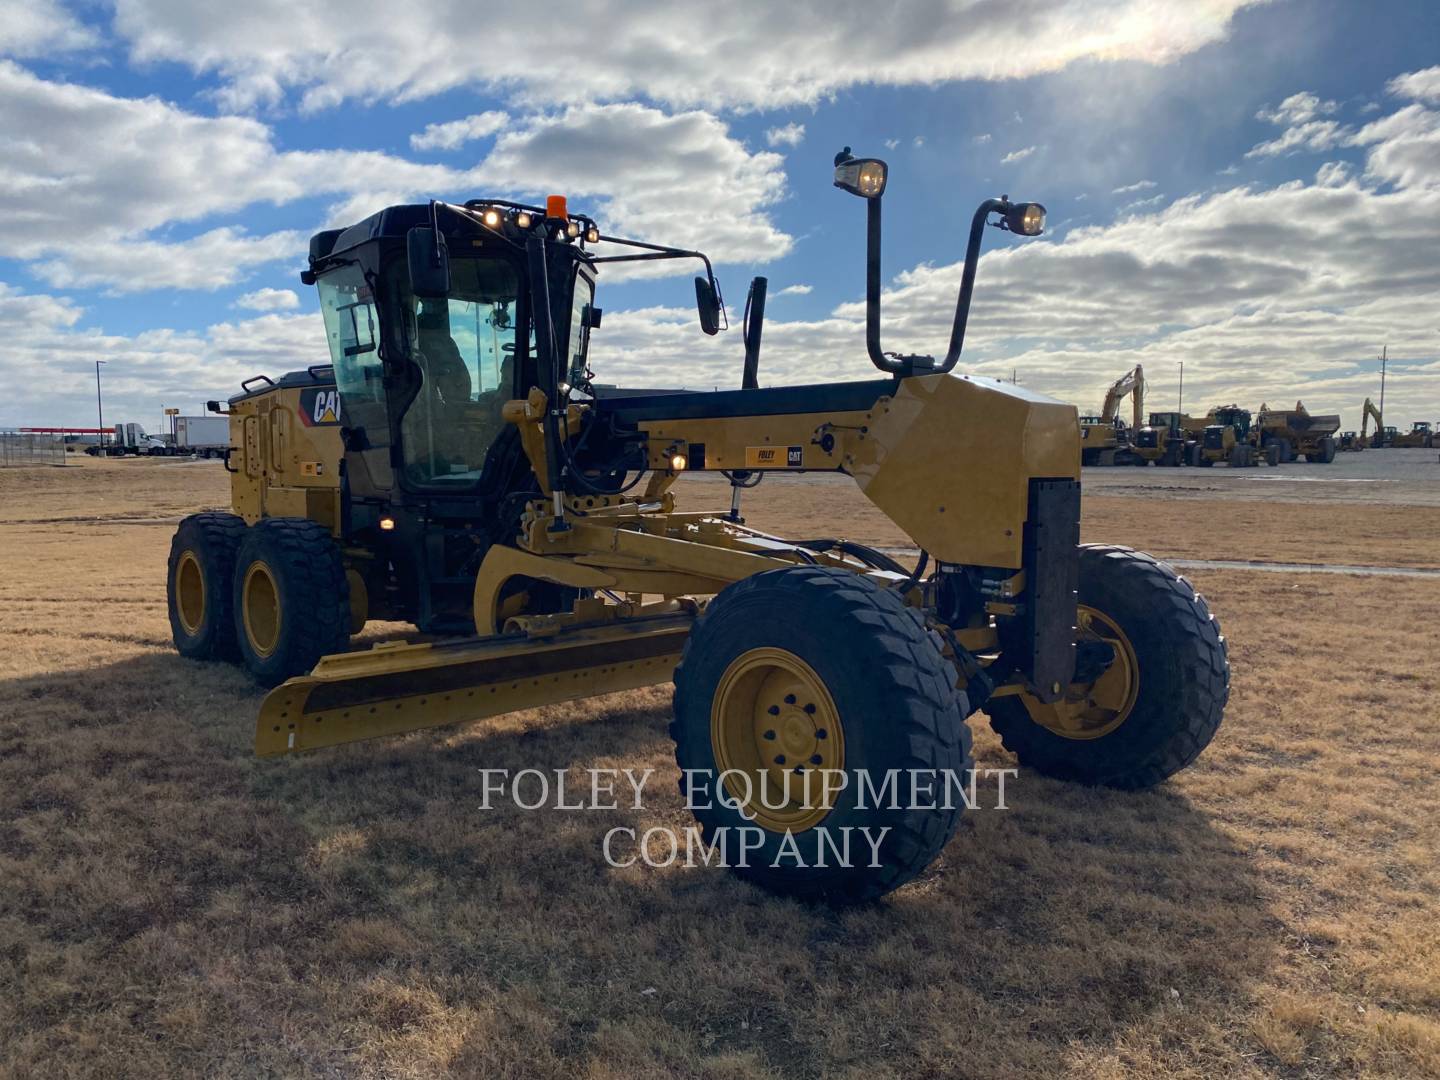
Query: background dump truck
x: 1295, y: 433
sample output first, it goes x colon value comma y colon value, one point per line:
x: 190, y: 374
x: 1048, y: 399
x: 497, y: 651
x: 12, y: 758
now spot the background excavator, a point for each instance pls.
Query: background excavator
x: 458, y: 467
x: 1379, y: 440
x: 1105, y: 439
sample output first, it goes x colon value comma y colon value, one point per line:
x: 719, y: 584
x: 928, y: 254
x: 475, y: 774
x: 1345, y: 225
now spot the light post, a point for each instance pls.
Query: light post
x: 99, y: 408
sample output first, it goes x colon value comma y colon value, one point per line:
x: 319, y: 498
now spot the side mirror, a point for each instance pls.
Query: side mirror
x: 429, y: 263
x: 708, y: 304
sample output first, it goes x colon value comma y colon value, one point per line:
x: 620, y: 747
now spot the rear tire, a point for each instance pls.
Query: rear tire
x: 291, y: 598
x: 857, y: 654
x: 198, y: 585
x: 1181, y: 686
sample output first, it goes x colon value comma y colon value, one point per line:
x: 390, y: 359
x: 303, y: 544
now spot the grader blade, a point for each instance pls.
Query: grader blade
x: 392, y: 689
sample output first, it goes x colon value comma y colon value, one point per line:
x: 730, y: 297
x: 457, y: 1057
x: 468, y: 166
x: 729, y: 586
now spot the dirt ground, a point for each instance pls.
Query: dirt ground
x: 172, y: 906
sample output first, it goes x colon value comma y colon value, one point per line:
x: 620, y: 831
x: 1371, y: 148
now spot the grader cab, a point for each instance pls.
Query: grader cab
x: 457, y: 466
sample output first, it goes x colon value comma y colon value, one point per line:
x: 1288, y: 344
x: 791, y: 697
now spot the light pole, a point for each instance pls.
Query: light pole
x: 1180, y: 408
x: 99, y: 408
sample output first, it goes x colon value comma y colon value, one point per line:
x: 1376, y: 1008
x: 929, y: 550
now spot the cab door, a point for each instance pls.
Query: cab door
x: 352, y: 328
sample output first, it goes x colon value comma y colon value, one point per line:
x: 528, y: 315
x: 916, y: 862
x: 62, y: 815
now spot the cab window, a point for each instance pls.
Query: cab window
x: 463, y: 347
x: 347, y: 304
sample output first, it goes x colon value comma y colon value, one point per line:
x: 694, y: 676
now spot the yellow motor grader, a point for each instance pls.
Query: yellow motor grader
x: 458, y: 467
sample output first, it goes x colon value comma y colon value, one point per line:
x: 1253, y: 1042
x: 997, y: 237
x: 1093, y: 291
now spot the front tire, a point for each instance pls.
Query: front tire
x: 197, y: 585
x: 1160, y: 702
x: 799, y: 673
x: 291, y: 598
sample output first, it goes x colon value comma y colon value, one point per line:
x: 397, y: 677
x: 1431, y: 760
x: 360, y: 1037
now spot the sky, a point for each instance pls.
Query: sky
x: 1251, y: 188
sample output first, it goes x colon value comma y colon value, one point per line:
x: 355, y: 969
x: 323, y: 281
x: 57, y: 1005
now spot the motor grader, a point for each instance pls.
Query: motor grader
x: 458, y: 467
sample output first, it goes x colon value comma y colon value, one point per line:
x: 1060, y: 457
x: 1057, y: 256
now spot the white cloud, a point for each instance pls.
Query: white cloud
x: 982, y: 138
x: 40, y: 28
x: 791, y: 134
x: 1141, y: 204
x: 87, y: 176
x: 1313, y: 135
x: 210, y: 261
x: 89, y: 179
x: 455, y: 133
x: 766, y: 56
x: 268, y: 299
x: 1296, y: 109
x: 1405, y: 147
x: 1139, y: 185
x: 681, y: 178
x: 796, y: 290
x: 1421, y: 85
x: 48, y: 366
x: 919, y: 140
x: 891, y: 144
x: 1017, y: 155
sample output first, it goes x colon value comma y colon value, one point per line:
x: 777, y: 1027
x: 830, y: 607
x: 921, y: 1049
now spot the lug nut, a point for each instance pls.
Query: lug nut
x: 789, y: 699
x: 770, y: 735
x: 779, y: 759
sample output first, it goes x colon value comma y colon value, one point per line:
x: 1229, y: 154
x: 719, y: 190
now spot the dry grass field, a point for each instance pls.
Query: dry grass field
x: 171, y: 906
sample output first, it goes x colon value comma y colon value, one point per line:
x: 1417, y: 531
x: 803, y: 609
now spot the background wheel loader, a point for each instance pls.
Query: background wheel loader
x: 1226, y: 436
x: 1162, y: 440
x: 1419, y: 437
x: 457, y: 467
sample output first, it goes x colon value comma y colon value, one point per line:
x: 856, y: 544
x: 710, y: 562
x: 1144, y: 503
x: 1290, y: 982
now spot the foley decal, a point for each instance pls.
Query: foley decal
x: 320, y: 407
x: 772, y: 457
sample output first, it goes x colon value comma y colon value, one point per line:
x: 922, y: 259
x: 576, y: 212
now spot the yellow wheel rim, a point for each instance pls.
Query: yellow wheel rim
x: 775, y: 731
x: 261, y: 609
x: 190, y: 592
x: 1095, y: 709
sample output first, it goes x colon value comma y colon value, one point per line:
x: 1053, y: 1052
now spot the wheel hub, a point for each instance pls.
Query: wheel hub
x: 773, y: 720
x: 260, y: 609
x: 1102, y: 697
x: 190, y: 593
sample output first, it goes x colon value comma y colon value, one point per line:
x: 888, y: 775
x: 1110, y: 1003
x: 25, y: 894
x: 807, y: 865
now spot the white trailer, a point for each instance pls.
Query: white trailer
x: 205, y: 436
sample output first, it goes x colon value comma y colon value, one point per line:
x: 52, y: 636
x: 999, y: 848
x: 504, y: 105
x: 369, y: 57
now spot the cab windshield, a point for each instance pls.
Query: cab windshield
x: 463, y: 347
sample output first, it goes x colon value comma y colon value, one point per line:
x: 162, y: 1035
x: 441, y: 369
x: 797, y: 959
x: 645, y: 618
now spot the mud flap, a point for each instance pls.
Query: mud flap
x: 1052, y: 575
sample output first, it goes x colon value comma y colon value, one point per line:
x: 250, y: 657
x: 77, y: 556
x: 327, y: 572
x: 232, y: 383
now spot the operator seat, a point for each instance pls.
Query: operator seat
x: 443, y: 365
x: 437, y: 429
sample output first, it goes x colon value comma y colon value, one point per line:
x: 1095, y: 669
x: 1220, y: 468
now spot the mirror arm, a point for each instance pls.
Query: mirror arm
x: 910, y: 365
x: 967, y: 281
x: 754, y: 327
x: 547, y: 363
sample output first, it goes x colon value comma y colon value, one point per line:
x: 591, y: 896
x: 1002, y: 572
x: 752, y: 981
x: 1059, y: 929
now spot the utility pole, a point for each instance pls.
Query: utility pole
x: 99, y: 409
x: 1384, y: 359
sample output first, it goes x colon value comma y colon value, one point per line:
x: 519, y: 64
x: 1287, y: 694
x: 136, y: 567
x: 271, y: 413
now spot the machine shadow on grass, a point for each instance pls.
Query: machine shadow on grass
x: 1069, y: 919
